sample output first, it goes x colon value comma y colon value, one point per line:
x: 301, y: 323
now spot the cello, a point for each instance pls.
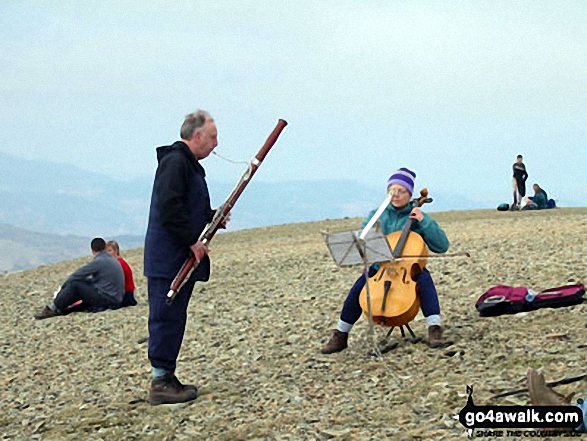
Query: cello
x: 393, y: 289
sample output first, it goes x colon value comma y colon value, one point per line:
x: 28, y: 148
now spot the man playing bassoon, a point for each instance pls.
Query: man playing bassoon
x: 180, y: 209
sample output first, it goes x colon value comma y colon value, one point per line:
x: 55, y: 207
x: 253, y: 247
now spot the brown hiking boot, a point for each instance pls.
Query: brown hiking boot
x: 168, y: 390
x: 435, y: 339
x: 45, y: 313
x: 184, y: 386
x: 541, y: 394
x: 337, y: 343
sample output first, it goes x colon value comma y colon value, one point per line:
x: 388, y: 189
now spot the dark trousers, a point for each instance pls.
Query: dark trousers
x: 128, y: 299
x: 520, y: 192
x: 351, y: 310
x: 166, y: 322
x: 82, y: 290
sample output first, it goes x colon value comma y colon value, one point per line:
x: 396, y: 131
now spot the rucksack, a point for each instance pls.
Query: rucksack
x: 503, y: 207
x: 504, y: 299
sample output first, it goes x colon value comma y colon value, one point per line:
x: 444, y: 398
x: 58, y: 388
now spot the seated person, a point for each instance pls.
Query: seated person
x: 98, y: 284
x: 538, y: 201
x: 401, y: 208
x: 129, y: 284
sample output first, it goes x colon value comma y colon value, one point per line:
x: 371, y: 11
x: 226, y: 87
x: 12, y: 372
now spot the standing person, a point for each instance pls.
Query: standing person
x: 99, y: 284
x: 180, y: 209
x: 519, y: 182
x: 401, y: 186
x: 129, y: 285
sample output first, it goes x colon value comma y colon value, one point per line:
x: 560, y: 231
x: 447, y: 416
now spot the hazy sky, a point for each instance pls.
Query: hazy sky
x: 453, y: 89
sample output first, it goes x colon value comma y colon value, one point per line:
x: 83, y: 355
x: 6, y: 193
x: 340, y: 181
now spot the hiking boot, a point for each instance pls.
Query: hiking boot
x: 435, y: 339
x: 185, y: 386
x: 337, y: 343
x: 541, y: 394
x: 45, y: 313
x: 168, y: 390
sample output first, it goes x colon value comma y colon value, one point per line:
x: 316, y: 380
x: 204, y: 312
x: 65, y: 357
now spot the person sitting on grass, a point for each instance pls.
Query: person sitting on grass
x: 99, y: 285
x: 538, y: 201
x: 129, y: 285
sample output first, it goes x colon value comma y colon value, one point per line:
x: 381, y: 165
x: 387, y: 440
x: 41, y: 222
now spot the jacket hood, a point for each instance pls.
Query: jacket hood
x: 177, y: 145
x: 162, y: 151
x: 182, y: 147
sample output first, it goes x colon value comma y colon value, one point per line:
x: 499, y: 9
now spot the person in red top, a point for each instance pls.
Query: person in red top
x: 129, y: 284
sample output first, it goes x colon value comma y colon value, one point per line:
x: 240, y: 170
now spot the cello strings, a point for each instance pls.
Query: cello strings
x: 376, y: 349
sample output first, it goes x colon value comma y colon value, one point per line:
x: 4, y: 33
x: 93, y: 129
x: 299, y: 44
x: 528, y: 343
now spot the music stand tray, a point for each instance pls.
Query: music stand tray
x: 347, y: 249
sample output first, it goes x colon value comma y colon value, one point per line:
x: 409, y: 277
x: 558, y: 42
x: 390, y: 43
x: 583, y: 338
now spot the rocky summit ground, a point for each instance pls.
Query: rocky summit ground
x: 255, y: 331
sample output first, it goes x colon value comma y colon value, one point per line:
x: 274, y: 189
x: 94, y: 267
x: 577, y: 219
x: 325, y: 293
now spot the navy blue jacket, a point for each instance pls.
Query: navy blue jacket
x: 180, y: 209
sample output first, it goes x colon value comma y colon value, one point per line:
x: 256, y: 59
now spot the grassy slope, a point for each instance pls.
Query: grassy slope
x: 255, y: 331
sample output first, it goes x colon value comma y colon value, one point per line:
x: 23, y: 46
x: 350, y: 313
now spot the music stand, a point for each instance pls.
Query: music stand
x: 348, y: 249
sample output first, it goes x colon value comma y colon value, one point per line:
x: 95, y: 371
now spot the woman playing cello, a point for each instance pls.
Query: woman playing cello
x: 401, y: 186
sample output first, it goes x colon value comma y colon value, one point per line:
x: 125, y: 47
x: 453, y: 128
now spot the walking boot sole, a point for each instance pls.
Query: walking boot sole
x: 169, y: 400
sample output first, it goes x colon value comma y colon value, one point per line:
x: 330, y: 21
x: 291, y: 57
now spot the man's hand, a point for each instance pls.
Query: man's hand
x: 225, y: 220
x: 417, y: 214
x: 199, y: 250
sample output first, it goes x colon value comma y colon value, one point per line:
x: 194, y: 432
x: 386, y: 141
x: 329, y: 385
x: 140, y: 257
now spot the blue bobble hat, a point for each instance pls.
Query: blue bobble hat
x: 403, y: 177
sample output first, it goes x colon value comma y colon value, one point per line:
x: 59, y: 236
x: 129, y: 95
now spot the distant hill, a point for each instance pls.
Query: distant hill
x: 22, y: 249
x: 62, y: 199
x: 67, y: 206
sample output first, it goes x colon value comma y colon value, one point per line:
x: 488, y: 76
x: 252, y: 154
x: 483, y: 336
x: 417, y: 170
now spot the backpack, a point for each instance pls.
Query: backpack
x: 550, y: 203
x: 502, y: 299
x: 503, y: 207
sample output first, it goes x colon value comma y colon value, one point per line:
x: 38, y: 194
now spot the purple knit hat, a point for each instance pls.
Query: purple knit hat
x: 403, y: 177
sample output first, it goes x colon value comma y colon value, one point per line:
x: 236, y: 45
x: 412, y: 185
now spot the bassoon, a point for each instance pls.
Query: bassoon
x: 219, y: 217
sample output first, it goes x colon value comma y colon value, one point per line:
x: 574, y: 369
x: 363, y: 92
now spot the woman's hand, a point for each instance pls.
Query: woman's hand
x: 417, y: 214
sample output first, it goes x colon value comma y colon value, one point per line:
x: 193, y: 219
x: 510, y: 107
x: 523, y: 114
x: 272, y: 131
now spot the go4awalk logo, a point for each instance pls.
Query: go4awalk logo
x: 552, y: 418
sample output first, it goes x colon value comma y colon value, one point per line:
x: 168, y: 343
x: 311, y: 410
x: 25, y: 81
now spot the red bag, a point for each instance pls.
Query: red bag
x: 504, y: 299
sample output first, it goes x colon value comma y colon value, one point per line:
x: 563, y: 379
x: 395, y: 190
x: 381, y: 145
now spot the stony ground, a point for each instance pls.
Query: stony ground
x: 255, y: 331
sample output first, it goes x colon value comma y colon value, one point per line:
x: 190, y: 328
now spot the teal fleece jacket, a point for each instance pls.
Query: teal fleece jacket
x: 540, y: 200
x: 393, y: 219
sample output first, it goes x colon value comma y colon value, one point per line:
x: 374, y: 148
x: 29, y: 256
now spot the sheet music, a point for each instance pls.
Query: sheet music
x: 347, y: 249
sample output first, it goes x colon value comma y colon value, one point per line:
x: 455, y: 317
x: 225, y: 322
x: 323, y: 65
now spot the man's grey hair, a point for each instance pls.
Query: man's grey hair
x: 193, y: 123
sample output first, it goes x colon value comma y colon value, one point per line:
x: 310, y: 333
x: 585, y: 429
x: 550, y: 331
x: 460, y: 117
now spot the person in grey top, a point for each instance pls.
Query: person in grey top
x: 99, y: 285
